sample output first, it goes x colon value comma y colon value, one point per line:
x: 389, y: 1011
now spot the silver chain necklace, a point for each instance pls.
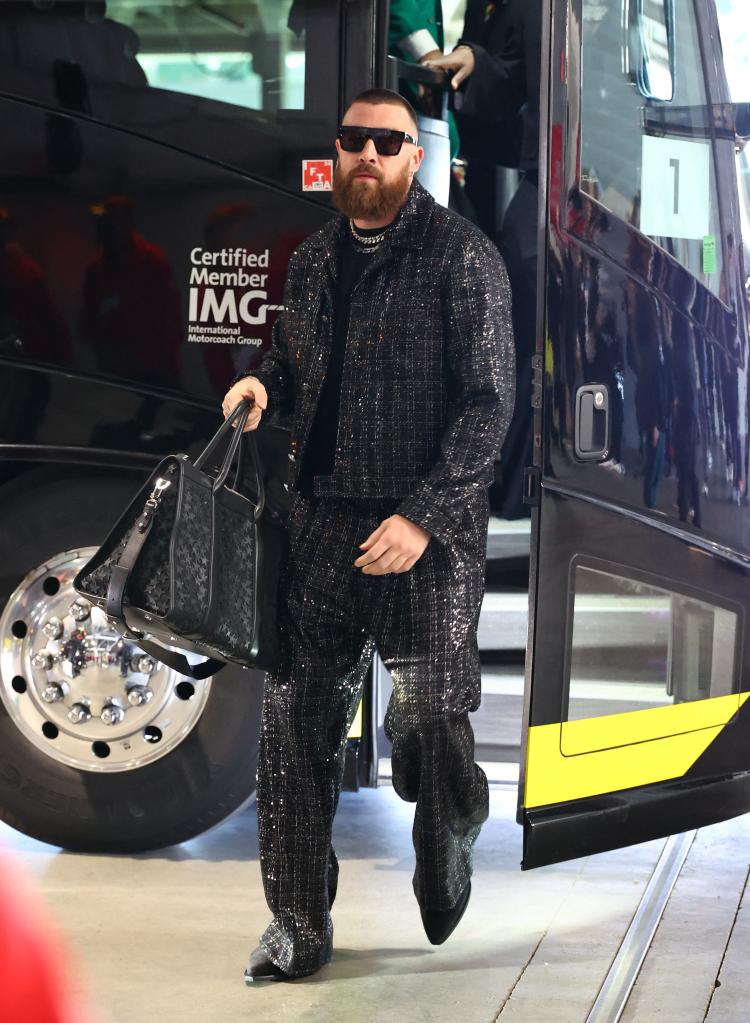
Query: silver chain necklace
x: 369, y: 242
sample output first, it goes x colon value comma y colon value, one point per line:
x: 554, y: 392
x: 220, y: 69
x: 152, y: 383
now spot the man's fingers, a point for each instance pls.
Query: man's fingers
x: 390, y: 566
x: 460, y: 75
x: 372, y: 536
x: 383, y: 565
x: 253, y: 422
x: 378, y: 548
x: 446, y: 63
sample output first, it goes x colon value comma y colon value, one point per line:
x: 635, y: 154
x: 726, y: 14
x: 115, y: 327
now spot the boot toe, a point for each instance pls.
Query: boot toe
x: 261, y: 968
x: 439, y: 924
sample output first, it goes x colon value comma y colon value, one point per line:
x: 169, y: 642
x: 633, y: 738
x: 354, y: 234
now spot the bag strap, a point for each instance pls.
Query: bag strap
x: 116, y: 592
x: 179, y: 662
x: 121, y: 571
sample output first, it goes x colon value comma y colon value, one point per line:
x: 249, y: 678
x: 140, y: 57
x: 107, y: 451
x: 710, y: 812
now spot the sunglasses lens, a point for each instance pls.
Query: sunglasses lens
x: 352, y: 141
x: 390, y: 144
x: 387, y: 143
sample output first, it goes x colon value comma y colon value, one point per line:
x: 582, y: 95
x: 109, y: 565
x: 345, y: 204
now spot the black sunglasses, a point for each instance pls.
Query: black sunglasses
x: 387, y: 141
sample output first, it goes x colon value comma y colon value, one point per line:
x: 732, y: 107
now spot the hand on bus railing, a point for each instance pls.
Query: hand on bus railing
x: 461, y: 61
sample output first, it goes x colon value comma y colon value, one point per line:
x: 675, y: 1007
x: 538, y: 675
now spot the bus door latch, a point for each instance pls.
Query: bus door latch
x: 592, y: 422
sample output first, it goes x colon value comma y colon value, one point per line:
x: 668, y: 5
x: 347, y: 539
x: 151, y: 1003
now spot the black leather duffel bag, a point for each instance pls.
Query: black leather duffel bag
x: 194, y: 563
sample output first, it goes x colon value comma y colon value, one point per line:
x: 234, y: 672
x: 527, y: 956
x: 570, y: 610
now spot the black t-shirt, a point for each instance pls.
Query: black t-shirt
x: 320, y: 449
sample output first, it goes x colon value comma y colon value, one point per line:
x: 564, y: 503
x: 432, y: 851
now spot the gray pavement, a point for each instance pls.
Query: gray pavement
x: 165, y: 935
x: 702, y: 938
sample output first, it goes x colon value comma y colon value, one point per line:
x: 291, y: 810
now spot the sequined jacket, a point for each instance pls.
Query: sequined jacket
x: 428, y: 378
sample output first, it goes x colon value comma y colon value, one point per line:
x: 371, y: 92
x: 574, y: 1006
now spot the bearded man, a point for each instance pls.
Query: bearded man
x: 394, y: 357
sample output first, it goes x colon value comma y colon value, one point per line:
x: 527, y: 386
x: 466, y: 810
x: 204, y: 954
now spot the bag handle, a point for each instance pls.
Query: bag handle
x: 243, y: 409
x: 237, y: 448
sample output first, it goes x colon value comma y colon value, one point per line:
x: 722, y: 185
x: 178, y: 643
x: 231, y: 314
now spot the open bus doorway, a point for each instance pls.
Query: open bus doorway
x: 492, y: 77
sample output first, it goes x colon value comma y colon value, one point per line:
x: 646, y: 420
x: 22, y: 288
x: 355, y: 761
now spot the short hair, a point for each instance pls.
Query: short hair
x: 379, y: 97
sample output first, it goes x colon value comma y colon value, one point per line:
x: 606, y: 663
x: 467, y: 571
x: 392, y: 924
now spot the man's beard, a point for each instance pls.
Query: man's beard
x: 360, y: 200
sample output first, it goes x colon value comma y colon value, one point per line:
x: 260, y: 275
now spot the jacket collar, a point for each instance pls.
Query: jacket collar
x: 408, y: 230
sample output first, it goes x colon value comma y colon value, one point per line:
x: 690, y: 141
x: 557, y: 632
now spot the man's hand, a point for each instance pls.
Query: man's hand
x: 395, y: 546
x: 461, y: 61
x: 430, y: 56
x: 248, y: 387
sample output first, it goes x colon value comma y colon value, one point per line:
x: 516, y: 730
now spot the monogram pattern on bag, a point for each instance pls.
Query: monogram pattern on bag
x: 192, y: 554
x: 148, y: 586
x: 233, y: 613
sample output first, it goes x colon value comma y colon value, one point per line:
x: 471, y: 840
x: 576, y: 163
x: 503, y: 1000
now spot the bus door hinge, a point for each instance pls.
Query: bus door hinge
x: 532, y: 485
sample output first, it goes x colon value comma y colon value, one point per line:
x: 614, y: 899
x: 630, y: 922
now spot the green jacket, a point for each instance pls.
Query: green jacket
x: 409, y: 17
x: 416, y: 27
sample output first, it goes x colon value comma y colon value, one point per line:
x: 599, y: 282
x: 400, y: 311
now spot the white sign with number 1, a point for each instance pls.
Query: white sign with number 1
x: 675, y: 188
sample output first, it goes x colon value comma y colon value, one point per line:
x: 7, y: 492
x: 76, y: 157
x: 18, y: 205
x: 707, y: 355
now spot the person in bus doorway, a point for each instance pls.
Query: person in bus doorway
x: 394, y: 357
x: 495, y: 72
x: 416, y: 34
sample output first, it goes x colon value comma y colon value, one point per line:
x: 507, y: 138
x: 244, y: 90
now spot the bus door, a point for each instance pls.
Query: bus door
x: 637, y: 718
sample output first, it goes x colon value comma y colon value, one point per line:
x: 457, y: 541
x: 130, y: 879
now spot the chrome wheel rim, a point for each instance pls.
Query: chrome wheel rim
x: 79, y: 692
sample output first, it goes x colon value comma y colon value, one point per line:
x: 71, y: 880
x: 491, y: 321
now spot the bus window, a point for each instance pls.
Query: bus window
x: 653, y: 39
x: 735, y: 44
x: 671, y: 647
x: 200, y: 77
x: 252, y: 56
x: 648, y: 159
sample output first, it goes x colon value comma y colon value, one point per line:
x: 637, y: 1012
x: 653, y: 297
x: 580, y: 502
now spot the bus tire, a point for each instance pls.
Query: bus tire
x: 208, y: 774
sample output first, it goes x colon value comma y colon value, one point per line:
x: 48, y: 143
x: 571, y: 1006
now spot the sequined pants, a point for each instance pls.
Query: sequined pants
x: 423, y: 623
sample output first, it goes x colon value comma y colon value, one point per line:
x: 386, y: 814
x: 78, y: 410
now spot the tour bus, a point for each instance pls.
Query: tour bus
x: 161, y: 160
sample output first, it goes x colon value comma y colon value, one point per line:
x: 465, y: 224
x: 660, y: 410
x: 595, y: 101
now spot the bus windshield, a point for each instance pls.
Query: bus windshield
x: 735, y: 43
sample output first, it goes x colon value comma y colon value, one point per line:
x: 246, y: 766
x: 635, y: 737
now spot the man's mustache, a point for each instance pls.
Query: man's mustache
x: 362, y: 171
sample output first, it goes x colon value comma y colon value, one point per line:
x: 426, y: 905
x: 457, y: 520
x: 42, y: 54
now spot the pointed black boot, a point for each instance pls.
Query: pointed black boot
x: 260, y: 967
x: 439, y: 924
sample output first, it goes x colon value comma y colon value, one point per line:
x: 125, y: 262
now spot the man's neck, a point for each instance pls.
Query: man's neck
x: 371, y: 225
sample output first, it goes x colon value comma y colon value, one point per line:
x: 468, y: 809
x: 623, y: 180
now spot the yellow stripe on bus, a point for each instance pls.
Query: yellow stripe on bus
x: 637, y: 748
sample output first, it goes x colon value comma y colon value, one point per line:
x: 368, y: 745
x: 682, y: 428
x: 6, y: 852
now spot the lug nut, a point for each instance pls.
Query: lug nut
x: 80, y: 609
x: 52, y: 693
x: 144, y: 664
x: 79, y: 713
x: 43, y: 660
x: 112, y: 714
x: 138, y: 695
x: 53, y: 628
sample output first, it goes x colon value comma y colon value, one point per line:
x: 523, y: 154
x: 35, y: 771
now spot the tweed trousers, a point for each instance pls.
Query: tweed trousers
x: 423, y: 623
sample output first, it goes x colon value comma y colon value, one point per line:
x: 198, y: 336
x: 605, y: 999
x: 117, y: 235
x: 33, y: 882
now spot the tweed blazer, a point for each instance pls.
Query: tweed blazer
x: 428, y: 378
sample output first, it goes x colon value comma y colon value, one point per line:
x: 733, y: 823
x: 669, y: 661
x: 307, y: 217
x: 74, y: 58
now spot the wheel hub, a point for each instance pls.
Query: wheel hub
x: 79, y: 691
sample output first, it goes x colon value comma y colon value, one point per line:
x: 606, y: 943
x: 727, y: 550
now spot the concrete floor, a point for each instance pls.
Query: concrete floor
x: 166, y: 935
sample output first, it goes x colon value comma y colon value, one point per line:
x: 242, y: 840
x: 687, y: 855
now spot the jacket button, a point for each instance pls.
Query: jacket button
x: 290, y: 456
x: 286, y: 486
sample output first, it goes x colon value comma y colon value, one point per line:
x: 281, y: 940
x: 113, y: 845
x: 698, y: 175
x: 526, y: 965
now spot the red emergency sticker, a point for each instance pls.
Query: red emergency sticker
x: 317, y: 175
